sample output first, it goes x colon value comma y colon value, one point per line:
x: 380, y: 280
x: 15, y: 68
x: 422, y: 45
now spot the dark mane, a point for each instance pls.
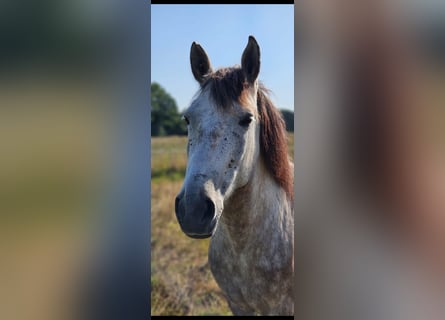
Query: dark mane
x: 226, y: 86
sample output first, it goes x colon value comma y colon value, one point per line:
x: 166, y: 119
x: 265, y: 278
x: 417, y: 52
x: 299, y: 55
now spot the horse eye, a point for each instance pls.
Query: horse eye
x: 246, y: 120
x: 186, y: 120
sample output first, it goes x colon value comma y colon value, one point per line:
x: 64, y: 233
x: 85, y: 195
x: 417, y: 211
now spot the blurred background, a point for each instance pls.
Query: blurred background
x: 74, y: 159
x: 181, y: 281
x: 370, y: 159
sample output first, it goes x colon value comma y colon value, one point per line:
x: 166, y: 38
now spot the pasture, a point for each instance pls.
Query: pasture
x: 181, y: 281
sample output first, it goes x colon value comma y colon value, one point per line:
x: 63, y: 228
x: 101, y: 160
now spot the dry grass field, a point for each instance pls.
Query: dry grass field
x: 181, y: 281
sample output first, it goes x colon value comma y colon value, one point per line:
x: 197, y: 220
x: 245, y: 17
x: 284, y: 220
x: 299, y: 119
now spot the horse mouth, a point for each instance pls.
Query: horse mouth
x: 202, y: 234
x: 199, y: 236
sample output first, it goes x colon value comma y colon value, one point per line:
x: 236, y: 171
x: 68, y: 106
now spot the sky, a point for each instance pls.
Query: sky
x: 223, y: 31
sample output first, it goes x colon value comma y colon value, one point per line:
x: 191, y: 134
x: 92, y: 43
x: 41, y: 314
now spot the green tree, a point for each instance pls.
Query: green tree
x: 288, y: 119
x: 165, y: 118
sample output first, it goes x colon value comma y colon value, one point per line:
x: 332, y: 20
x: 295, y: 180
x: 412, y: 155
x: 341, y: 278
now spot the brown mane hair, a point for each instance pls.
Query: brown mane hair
x: 226, y: 86
x: 273, y: 141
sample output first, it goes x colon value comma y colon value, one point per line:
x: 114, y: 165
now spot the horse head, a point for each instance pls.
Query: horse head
x: 223, y: 138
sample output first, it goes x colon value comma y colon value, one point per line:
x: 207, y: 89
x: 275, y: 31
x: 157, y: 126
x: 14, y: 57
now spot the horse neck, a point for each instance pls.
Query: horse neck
x: 260, y: 205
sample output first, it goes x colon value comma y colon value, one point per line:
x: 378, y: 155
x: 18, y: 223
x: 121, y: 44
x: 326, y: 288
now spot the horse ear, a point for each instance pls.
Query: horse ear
x: 250, y: 61
x: 200, y: 63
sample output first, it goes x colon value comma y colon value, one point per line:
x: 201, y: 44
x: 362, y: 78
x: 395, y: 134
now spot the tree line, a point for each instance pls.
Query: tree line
x: 166, y: 120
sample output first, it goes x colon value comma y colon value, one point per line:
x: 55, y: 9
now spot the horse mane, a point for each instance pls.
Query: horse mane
x: 273, y: 141
x: 226, y: 86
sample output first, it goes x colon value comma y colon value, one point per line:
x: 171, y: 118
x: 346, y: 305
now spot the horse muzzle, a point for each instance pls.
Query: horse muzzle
x: 196, y: 215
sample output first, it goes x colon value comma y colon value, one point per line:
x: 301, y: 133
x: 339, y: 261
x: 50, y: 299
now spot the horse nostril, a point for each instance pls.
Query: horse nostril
x: 209, y: 210
x: 178, y: 213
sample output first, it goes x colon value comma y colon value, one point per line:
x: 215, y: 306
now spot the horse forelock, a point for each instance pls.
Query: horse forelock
x: 226, y: 86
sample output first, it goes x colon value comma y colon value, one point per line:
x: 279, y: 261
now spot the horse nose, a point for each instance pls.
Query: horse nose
x: 208, y: 210
x: 196, y: 215
x: 199, y: 211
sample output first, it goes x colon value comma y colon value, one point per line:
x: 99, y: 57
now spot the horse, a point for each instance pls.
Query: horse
x: 238, y: 186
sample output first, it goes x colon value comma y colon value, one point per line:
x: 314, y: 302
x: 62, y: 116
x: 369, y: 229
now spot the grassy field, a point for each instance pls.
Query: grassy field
x: 181, y: 281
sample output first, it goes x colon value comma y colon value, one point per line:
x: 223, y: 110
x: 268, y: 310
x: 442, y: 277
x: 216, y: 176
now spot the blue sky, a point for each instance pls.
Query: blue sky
x: 223, y: 31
